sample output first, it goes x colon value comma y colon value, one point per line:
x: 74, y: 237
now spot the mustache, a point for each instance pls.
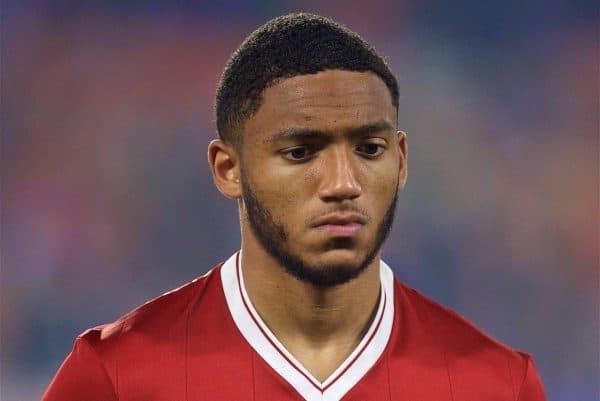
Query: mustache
x: 341, y: 208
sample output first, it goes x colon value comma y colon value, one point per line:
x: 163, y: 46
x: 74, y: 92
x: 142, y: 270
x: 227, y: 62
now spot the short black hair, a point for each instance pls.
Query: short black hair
x: 284, y: 47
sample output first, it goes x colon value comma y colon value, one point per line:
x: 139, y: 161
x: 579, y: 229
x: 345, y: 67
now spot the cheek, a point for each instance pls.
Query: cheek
x: 384, y: 188
x: 285, y: 203
x: 293, y: 197
x: 281, y: 197
x: 293, y: 184
x: 387, y: 186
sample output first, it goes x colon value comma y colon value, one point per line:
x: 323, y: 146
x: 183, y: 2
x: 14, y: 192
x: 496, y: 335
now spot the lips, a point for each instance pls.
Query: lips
x: 340, y: 224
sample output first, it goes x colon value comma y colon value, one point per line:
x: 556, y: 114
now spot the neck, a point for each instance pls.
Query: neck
x: 320, y: 326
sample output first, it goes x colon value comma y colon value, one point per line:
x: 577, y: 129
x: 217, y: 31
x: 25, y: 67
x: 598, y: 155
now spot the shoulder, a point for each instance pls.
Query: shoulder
x: 131, y: 355
x: 158, y: 318
x: 468, y: 352
x: 453, y: 331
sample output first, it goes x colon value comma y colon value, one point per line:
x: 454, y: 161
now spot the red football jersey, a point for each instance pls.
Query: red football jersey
x: 205, y: 342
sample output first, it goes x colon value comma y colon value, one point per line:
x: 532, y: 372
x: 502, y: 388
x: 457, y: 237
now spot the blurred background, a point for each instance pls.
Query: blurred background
x: 107, y: 111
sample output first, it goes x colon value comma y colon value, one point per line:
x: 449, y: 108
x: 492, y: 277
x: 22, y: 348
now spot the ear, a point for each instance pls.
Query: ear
x: 224, y: 163
x: 403, y: 158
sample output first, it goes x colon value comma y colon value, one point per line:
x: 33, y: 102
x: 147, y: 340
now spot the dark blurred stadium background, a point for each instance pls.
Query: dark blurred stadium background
x: 106, y: 114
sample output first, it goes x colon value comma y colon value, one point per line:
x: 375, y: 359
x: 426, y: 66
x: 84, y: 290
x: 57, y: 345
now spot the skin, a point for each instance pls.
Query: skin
x: 300, y: 178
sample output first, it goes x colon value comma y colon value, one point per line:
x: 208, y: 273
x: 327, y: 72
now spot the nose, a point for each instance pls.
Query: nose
x: 339, y: 181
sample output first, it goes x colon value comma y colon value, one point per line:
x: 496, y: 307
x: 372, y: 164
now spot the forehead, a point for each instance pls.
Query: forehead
x: 327, y: 101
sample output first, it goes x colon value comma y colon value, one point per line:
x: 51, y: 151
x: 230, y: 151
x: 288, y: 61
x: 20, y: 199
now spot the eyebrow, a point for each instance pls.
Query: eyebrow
x: 307, y: 133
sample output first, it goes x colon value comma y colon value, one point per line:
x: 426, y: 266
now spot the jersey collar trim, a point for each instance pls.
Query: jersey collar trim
x: 264, y: 342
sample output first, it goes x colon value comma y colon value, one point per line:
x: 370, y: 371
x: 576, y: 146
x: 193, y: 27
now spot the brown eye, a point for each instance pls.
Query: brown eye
x: 370, y: 149
x: 297, y: 153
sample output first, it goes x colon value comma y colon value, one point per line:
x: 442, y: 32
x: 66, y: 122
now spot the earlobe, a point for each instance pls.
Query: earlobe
x: 223, y: 162
x: 403, y: 171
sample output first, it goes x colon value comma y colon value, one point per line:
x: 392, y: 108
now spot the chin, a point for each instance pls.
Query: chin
x: 337, y: 259
x: 347, y: 259
x: 325, y: 268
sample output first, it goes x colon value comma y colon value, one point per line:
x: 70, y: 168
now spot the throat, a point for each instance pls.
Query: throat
x: 322, y: 362
x: 321, y: 338
x: 319, y: 326
x: 322, y: 352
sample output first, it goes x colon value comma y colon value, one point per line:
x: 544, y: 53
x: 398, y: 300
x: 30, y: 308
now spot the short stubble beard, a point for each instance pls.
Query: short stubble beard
x: 273, y: 238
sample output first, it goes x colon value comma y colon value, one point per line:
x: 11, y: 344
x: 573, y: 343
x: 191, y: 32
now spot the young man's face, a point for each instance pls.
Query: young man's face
x: 322, y: 163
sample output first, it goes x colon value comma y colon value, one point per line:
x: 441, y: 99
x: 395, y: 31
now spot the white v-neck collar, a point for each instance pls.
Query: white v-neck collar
x: 264, y: 342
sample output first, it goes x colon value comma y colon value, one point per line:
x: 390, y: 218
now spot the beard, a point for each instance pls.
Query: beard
x: 274, y: 239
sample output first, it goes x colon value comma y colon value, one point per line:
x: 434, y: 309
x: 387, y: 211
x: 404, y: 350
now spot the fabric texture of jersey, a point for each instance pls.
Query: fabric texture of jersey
x: 205, y: 342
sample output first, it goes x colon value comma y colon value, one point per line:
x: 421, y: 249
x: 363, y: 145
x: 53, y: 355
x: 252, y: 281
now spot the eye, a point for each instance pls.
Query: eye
x: 298, y: 153
x: 370, y: 149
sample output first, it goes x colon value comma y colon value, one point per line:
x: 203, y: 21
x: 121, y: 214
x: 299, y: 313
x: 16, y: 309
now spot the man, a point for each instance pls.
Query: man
x: 306, y: 310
